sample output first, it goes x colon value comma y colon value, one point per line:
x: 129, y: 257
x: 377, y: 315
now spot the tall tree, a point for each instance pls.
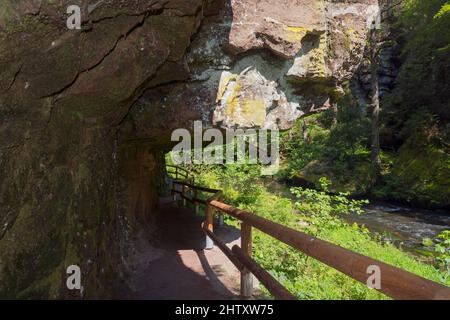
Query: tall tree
x: 375, y: 105
x: 378, y: 39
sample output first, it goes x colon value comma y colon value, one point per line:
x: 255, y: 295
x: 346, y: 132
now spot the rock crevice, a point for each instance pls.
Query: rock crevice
x: 86, y: 115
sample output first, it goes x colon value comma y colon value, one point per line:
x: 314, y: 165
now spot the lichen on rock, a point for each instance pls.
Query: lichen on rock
x: 86, y: 115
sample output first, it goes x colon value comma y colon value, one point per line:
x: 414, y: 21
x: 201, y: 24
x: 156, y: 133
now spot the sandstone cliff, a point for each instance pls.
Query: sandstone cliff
x: 86, y: 115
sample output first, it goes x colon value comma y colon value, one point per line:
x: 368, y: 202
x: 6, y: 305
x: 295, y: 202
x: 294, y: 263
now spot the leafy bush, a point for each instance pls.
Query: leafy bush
x: 441, y: 249
x: 322, y: 209
x: 316, y: 213
x: 340, y: 151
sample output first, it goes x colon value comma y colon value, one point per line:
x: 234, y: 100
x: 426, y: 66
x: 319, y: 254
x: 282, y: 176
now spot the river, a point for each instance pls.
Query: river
x: 405, y: 227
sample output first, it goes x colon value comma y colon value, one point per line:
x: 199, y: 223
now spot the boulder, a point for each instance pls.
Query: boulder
x: 86, y: 115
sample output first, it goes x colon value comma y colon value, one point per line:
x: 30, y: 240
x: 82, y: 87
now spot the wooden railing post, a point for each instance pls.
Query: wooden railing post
x: 196, y: 203
x: 209, y: 224
x: 396, y: 283
x: 174, y: 187
x: 220, y: 218
x: 184, y: 195
x: 247, y: 247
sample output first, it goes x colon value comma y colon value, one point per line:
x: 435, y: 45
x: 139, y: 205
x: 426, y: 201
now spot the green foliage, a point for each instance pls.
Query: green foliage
x: 416, y: 173
x: 338, y: 150
x: 416, y: 111
x: 420, y: 172
x: 240, y: 183
x: 443, y: 11
x: 316, y: 213
x: 424, y: 28
x: 322, y: 209
x: 298, y: 152
x: 416, y: 13
x: 441, y: 249
x: 348, y: 140
x: 344, y: 141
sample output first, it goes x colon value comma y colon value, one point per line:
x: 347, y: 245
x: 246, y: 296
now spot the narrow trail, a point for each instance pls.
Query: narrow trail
x: 178, y: 268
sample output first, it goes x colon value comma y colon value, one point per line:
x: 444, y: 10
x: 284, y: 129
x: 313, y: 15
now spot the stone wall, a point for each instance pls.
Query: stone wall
x: 86, y: 115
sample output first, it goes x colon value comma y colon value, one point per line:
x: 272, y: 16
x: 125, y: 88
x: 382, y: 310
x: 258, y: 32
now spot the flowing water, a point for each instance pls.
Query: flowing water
x: 404, y: 226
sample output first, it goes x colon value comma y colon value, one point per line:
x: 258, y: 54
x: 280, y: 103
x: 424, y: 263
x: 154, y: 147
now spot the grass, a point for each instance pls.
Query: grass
x: 302, y: 275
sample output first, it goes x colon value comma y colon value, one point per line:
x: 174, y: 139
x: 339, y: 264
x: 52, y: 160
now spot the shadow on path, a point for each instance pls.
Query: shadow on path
x: 179, y: 269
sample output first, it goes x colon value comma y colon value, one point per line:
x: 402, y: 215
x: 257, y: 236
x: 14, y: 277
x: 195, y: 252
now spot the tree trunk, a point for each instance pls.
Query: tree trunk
x: 306, y: 137
x: 375, y: 104
x: 334, y: 108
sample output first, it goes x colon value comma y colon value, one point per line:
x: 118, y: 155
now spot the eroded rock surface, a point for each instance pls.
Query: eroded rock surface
x: 268, y: 63
x: 86, y: 115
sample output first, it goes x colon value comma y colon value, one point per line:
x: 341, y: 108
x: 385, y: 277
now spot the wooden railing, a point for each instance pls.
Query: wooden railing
x: 394, y: 282
x: 178, y: 173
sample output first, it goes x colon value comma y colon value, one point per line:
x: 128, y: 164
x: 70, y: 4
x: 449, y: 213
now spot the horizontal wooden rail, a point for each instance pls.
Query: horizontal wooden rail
x: 274, y: 287
x: 394, y: 282
x: 178, y: 172
x: 224, y: 248
x: 177, y: 168
x: 203, y: 189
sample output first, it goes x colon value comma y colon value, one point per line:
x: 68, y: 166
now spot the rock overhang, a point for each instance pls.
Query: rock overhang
x: 84, y: 114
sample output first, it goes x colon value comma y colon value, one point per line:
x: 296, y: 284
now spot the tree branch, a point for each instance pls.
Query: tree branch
x: 392, y: 6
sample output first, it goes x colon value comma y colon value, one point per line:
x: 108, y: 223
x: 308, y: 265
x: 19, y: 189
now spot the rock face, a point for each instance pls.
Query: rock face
x: 290, y: 58
x: 86, y: 115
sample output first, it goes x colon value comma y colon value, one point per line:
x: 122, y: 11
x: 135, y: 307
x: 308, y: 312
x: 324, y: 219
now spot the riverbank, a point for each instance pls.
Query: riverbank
x: 404, y: 226
x: 316, y: 215
x: 415, y: 172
